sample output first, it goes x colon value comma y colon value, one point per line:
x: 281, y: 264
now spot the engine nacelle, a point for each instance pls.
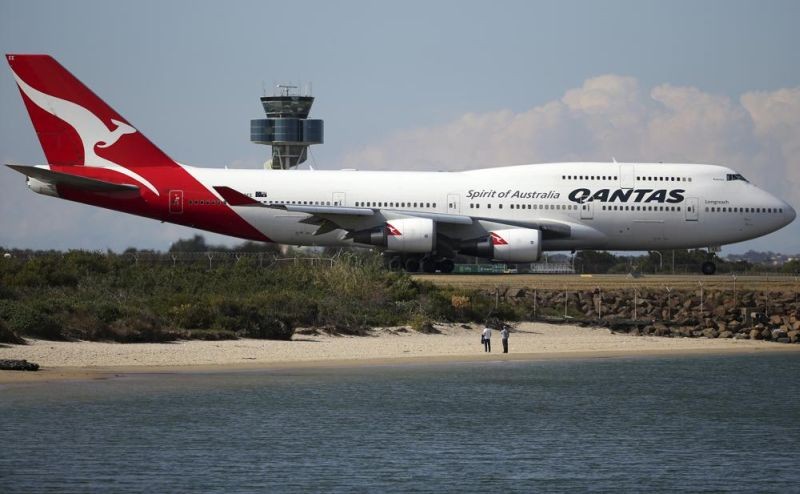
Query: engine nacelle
x: 42, y: 187
x: 417, y: 235
x: 511, y: 245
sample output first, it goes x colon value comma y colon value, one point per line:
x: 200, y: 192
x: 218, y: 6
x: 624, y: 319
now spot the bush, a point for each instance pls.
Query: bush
x: 9, y: 336
x: 31, y: 321
x: 270, y: 328
x: 141, y: 327
x: 422, y: 324
x: 81, y: 324
x: 210, y: 334
x: 252, y: 321
x: 193, y: 316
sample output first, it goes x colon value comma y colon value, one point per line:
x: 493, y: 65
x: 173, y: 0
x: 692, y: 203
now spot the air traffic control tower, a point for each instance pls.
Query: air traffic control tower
x: 287, y: 127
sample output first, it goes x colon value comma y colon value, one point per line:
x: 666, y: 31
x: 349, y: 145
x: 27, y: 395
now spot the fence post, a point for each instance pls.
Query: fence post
x: 702, y: 307
x: 669, y: 303
x: 599, y: 303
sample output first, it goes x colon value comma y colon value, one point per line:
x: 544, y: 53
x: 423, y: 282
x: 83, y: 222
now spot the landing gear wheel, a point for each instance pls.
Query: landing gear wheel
x: 708, y: 268
x: 412, y: 265
x: 428, y: 265
x: 446, y: 266
x: 395, y: 263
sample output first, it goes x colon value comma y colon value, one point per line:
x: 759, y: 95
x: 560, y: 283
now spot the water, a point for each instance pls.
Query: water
x: 647, y: 424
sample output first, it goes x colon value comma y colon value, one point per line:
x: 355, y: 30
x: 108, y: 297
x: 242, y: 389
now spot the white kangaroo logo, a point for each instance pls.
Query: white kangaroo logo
x: 114, y: 135
x: 92, y: 131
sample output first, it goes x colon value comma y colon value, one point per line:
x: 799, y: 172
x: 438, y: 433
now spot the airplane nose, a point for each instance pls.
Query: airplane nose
x: 791, y: 214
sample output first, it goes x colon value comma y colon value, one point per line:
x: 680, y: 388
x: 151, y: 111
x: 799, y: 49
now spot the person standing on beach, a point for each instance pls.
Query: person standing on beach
x: 504, y: 338
x: 487, y: 339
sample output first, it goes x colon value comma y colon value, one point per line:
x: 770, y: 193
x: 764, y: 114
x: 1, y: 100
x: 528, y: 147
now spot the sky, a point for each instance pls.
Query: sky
x: 443, y: 85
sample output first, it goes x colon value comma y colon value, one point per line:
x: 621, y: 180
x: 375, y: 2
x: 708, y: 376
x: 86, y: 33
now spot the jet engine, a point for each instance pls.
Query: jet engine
x: 40, y: 187
x: 416, y: 235
x: 512, y: 245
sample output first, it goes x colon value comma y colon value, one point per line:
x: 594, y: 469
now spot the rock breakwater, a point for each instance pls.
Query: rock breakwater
x: 759, y: 315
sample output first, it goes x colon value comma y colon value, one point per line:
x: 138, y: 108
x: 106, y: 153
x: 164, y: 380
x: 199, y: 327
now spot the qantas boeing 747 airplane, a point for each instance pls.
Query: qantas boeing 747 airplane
x: 421, y: 219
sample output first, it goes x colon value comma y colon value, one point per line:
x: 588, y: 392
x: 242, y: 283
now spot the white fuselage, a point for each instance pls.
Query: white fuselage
x: 615, y: 206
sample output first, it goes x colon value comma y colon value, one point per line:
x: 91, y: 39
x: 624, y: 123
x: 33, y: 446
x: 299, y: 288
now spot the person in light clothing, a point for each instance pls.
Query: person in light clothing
x: 487, y: 339
x: 504, y: 338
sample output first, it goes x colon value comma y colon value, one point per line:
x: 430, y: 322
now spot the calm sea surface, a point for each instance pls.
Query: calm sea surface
x: 646, y: 424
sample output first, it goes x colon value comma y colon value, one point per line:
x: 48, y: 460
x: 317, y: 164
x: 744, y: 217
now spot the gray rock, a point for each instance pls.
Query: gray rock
x: 19, y: 365
x: 779, y: 333
x: 710, y: 333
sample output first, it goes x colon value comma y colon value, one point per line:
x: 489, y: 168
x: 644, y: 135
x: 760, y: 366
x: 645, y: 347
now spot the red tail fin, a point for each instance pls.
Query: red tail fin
x: 74, y: 126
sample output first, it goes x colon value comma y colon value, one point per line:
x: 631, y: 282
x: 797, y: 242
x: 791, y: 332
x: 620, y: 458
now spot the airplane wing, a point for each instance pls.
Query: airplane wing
x: 74, y: 181
x: 330, y: 218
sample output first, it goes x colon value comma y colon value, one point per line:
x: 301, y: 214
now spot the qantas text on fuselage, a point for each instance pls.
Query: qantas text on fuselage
x: 421, y: 219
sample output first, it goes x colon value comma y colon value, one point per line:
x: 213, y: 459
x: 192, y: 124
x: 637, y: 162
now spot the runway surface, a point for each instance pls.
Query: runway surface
x: 771, y: 282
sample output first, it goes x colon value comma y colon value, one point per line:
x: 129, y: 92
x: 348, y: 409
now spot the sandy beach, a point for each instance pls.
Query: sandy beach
x: 528, y: 341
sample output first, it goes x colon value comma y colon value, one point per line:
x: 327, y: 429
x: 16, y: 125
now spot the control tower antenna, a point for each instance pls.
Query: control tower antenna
x: 287, y: 127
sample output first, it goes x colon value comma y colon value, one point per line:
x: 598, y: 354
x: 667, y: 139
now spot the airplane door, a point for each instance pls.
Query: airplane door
x: 626, y: 176
x: 587, y: 212
x: 453, y: 203
x: 338, y: 198
x: 176, y: 201
x: 691, y: 209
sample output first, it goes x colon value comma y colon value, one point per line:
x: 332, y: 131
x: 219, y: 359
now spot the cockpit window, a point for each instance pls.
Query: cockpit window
x: 736, y: 176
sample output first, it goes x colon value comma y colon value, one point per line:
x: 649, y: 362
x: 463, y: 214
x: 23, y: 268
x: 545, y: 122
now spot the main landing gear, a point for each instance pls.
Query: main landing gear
x: 413, y: 264
x: 709, y: 267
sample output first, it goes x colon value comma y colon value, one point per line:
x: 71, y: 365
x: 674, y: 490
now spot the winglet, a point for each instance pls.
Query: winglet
x: 236, y: 198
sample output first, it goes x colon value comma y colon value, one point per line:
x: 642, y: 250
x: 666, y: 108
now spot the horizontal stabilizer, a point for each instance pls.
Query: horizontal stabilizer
x: 235, y: 198
x: 74, y: 181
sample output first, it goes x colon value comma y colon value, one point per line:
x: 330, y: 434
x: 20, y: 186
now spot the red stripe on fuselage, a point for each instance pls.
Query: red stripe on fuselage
x: 213, y: 215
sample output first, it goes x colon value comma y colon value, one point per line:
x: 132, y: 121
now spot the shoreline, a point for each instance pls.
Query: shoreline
x: 384, y: 347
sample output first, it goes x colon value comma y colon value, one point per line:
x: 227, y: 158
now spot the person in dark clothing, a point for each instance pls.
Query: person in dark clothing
x: 504, y: 338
